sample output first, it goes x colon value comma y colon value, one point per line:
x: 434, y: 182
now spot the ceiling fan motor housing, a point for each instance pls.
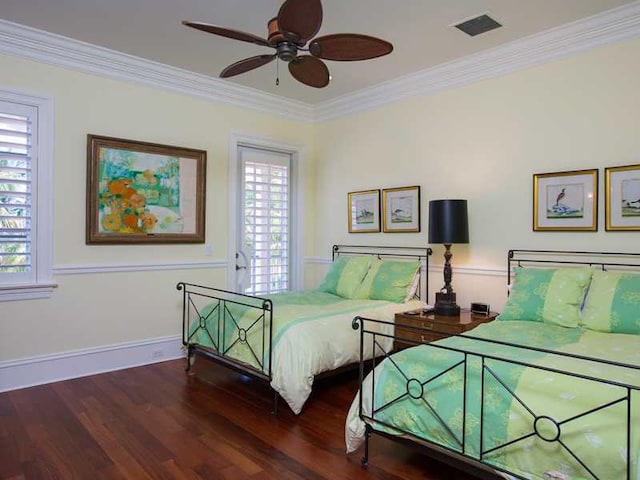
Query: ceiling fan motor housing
x: 286, y: 49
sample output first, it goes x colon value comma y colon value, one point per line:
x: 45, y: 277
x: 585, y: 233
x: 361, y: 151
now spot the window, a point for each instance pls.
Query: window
x: 25, y: 195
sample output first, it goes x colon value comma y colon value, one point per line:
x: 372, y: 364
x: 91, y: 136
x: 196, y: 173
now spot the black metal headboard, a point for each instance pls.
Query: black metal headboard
x: 387, y: 252
x: 603, y: 260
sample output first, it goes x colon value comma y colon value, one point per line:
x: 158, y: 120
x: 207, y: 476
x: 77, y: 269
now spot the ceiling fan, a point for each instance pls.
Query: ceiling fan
x: 297, y: 22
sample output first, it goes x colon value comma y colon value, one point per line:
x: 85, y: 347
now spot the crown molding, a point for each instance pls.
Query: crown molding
x: 33, y: 44
x: 614, y: 25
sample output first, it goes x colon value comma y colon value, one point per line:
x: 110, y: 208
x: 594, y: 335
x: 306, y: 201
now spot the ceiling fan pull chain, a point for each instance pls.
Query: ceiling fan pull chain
x: 277, y: 72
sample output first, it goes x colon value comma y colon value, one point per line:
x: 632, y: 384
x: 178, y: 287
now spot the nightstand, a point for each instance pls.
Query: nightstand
x: 440, y: 326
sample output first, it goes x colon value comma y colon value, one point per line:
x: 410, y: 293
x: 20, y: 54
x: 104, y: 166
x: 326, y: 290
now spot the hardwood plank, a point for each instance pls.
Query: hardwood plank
x: 125, y: 462
x: 14, y: 442
x: 157, y: 422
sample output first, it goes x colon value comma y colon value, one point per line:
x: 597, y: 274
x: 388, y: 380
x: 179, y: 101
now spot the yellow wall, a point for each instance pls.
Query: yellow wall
x: 483, y: 142
x: 91, y: 310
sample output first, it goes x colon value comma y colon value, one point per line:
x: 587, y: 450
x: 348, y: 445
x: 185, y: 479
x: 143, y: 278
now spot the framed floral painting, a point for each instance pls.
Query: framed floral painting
x: 622, y: 198
x: 565, y: 201
x: 141, y: 192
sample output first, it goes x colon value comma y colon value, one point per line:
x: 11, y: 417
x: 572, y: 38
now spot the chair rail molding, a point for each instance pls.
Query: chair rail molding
x: 134, y: 267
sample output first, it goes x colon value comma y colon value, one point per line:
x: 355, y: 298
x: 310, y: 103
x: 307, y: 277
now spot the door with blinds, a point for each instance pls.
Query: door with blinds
x: 263, y: 255
x: 16, y: 195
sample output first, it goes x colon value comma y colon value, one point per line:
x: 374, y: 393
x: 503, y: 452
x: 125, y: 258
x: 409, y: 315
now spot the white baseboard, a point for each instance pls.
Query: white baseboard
x: 28, y: 372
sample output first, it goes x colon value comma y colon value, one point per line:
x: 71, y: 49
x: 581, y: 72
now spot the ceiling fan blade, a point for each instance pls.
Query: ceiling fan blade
x: 300, y: 20
x: 310, y: 71
x: 349, y: 47
x: 245, y: 65
x: 227, y: 32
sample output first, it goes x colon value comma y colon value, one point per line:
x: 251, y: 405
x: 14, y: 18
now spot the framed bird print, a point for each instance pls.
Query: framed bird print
x: 401, y: 209
x: 363, y: 211
x: 622, y: 198
x: 566, y: 201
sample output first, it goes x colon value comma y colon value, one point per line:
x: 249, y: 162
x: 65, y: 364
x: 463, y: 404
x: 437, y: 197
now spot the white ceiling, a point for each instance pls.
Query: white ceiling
x: 420, y: 30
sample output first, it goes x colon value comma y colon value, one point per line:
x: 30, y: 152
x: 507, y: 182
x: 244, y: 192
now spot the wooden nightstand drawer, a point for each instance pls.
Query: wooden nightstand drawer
x: 430, y: 327
x: 453, y: 328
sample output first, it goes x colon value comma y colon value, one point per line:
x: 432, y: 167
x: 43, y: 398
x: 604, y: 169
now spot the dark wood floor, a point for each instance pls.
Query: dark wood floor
x: 158, y: 422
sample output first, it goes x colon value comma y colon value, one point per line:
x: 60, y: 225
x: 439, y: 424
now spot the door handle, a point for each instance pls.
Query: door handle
x: 242, y: 279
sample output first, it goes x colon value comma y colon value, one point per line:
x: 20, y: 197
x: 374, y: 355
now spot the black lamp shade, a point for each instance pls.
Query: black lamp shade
x: 448, y: 221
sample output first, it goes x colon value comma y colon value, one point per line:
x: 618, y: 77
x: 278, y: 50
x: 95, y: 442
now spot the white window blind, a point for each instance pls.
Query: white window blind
x: 266, y: 201
x: 16, y: 195
x: 26, y: 195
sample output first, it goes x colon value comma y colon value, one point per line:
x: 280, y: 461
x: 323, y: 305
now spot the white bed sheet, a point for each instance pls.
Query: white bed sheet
x: 310, y: 348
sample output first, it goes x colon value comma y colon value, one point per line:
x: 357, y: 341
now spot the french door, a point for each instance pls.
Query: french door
x: 264, y: 220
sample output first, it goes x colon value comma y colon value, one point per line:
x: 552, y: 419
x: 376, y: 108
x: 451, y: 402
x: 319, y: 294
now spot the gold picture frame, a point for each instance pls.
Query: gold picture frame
x: 622, y: 198
x: 566, y: 201
x: 363, y: 211
x: 139, y: 192
x: 401, y: 209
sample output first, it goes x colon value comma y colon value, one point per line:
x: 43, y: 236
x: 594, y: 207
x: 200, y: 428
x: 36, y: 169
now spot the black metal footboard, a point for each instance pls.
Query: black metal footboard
x: 217, y: 323
x: 546, y: 428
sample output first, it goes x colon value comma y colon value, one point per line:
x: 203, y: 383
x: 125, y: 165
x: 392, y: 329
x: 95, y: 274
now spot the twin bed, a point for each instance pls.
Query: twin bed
x: 289, y: 339
x: 550, y: 390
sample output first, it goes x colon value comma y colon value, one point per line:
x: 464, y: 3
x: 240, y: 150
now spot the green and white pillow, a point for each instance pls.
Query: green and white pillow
x: 362, y: 292
x: 345, y: 276
x: 552, y: 296
x: 613, y: 303
x: 388, y: 280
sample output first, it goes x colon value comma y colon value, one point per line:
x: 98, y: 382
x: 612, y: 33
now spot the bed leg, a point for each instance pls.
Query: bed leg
x: 367, y: 434
x: 275, y: 403
x: 189, y: 359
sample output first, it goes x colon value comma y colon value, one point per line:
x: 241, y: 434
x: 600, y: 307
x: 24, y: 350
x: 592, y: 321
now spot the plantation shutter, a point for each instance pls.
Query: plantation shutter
x: 266, y: 235
x: 16, y: 198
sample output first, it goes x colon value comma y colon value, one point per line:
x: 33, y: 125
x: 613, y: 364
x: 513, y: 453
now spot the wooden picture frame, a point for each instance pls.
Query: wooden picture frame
x: 139, y: 192
x: 401, y: 209
x: 622, y: 198
x: 566, y: 201
x: 363, y: 211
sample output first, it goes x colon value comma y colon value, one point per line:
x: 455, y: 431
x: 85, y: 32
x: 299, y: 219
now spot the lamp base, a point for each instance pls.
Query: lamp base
x: 446, y: 305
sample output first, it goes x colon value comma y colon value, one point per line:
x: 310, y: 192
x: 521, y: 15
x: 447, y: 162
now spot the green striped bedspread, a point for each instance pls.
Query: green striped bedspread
x: 518, y: 400
x: 312, y: 334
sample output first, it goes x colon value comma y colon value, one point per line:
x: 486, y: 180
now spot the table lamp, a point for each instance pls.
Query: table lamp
x: 448, y: 224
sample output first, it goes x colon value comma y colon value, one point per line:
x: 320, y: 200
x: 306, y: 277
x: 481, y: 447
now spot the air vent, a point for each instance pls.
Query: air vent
x: 478, y: 25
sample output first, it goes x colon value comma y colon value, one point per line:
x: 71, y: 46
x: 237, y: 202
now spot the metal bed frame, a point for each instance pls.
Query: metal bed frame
x: 460, y: 457
x: 202, y: 304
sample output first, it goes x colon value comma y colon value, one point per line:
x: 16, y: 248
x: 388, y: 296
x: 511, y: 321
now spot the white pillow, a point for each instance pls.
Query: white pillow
x: 413, y: 288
